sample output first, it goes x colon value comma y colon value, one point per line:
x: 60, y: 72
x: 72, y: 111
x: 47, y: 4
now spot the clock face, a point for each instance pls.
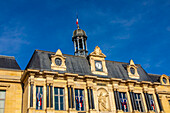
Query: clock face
x: 98, y: 65
x: 58, y: 61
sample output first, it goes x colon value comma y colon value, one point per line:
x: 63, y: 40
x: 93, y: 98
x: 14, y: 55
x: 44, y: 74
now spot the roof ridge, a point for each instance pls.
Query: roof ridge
x: 4, y: 56
x: 154, y: 74
x: 44, y: 51
x: 63, y: 54
x: 116, y: 62
x: 121, y: 62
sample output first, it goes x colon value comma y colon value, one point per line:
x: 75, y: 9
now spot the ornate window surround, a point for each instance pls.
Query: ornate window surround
x: 59, y: 95
x: 97, y: 55
x: 59, y: 55
x: 164, y: 77
x: 131, y: 75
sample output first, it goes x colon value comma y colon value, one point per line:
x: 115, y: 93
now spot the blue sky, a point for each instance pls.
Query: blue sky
x: 123, y: 29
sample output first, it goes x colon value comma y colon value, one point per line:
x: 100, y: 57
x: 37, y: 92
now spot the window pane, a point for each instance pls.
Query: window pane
x: 39, y: 97
x: 81, y: 92
x: 56, y: 103
x: 76, y: 92
x: 137, y: 105
x: 123, y: 100
x: 61, y: 91
x: 2, y: 94
x: 141, y: 106
x: 120, y: 95
x: 152, y: 102
x: 61, y: 106
x: 77, y: 102
x: 79, y: 99
x: 81, y: 103
x: 135, y: 96
x: 62, y: 103
x: 124, y: 96
x: 138, y: 96
x: 2, y: 104
x: 56, y: 91
x: 61, y: 99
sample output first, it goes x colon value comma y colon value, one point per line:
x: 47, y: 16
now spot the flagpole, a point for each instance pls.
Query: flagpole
x: 77, y: 21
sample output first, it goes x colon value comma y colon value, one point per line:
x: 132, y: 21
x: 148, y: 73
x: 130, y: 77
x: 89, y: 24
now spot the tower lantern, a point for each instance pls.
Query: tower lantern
x: 79, y: 39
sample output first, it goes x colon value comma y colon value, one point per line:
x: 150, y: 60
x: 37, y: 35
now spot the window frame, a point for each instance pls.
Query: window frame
x: 83, y: 98
x: 151, y: 98
x: 4, y: 100
x: 121, y: 95
x: 59, y: 98
x: 138, y: 101
x: 42, y: 97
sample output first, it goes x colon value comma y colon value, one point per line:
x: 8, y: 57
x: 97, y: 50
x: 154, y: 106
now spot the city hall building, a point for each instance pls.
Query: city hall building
x: 54, y: 82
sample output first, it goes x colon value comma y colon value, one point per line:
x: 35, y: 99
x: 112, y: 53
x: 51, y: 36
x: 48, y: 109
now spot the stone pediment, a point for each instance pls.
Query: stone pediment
x: 97, y: 52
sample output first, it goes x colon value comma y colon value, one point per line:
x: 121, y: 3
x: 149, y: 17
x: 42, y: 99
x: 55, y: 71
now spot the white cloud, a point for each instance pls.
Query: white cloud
x: 159, y: 64
x: 12, y: 39
x: 147, y: 65
x: 124, y: 22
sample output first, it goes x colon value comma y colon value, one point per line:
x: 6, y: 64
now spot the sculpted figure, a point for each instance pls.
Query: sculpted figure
x: 102, y: 99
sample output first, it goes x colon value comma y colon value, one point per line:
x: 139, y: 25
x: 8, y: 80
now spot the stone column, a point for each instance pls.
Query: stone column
x: 48, y: 104
x: 86, y: 44
x: 75, y: 45
x: 31, y: 93
x: 83, y: 43
x: 69, y: 97
x: 72, y: 97
x: 89, y: 98
x: 110, y: 89
x: 92, y: 99
x: 159, y: 103
x: 49, y: 94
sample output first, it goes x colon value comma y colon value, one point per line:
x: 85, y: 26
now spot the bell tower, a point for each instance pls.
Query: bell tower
x: 79, y: 39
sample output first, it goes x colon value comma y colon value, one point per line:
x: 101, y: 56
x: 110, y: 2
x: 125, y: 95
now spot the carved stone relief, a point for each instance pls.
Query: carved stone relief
x: 103, y: 100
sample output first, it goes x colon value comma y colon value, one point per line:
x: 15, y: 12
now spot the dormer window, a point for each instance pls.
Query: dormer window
x: 97, y: 62
x: 132, y: 70
x: 164, y: 79
x: 58, y: 61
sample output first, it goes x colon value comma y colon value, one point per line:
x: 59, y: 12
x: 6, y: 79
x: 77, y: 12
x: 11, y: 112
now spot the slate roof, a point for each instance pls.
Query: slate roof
x: 155, y: 77
x: 41, y: 60
x: 8, y: 62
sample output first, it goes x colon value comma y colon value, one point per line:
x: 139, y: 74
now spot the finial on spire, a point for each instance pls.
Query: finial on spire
x: 77, y: 22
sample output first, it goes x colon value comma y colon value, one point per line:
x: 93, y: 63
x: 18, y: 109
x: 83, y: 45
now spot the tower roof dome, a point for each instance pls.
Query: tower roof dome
x: 79, y: 32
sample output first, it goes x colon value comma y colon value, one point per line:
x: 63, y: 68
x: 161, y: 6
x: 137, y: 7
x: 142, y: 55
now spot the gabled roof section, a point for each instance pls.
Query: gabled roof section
x: 41, y: 60
x: 8, y: 62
